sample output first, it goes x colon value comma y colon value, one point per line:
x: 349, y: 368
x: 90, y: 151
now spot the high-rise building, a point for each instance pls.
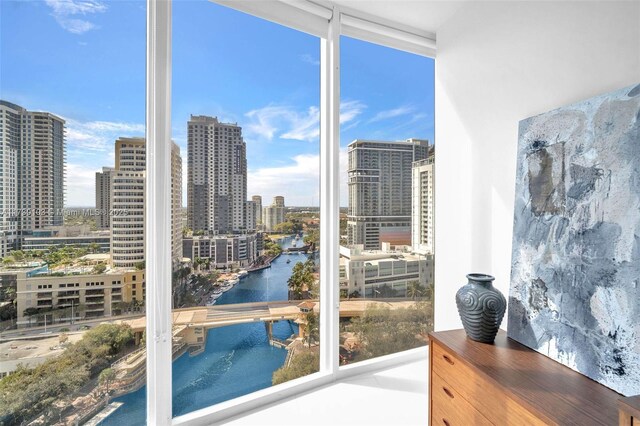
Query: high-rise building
x: 103, y: 197
x: 379, y: 174
x: 127, y: 203
x: 257, y: 202
x: 176, y: 203
x: 32, y: 154
x: 10, y: 138
x: 217, y: 176
x: 423, y: 203
x: 274, y: 214
x: 250, y: 216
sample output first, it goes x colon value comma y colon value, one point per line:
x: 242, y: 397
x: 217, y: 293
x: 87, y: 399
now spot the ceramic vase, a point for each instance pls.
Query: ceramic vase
x: 481, y: 307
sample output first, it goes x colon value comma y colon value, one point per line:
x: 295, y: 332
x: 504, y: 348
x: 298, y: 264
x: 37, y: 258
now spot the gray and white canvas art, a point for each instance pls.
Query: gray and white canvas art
x: 575, y: 275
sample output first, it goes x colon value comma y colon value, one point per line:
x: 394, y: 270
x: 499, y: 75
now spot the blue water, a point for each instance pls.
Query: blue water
x: 237, y: 359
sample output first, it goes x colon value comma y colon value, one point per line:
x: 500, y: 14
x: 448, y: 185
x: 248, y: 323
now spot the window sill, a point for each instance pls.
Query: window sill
x: 388, y: 378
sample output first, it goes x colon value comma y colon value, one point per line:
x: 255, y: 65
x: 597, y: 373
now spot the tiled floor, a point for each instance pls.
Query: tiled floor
x: 396, y: 396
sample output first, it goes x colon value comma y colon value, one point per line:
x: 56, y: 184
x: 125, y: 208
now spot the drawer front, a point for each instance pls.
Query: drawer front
x: 484, y: 396
x: 450, y: 408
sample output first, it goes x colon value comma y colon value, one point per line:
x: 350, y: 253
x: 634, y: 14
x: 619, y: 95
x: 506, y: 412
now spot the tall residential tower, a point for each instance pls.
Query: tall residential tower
x: 257, y: 202
x: 423, y: 203
x: 32, y: 157
x: 217, y: 176
x: 379, y: 174
x: 127, y: 203
x: 274, y: 214
x: 103, y: 197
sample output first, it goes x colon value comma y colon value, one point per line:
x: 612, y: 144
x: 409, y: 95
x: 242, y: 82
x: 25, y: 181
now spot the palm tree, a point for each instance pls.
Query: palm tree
x: 298, y: 280
x: 30, y: 312
x: 313, y: 328
x: 385, y: 291
x: 106, y: 376
x: 415, y: 290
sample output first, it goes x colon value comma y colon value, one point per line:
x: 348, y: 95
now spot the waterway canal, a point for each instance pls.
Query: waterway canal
x: 237, y: 359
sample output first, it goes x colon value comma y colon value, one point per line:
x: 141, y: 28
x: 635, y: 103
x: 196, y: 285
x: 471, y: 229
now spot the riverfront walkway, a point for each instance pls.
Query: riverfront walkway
x: 106, y: 412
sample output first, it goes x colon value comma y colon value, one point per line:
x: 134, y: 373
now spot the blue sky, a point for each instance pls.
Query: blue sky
x: 85, y: 61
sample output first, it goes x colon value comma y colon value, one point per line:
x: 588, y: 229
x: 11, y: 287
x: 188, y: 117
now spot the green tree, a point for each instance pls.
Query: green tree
x: 302, y: 364
x: 30, y: 392
x: 382, y: 330
x: 18, y: 255
x: 105, y: 378
x: 100, y: 268
x: 94, y: 247
x: 140, y: 265
x: 415, y: 290
x: 272, y: 248
x: 30, y: 312
x: 312, y: 328
x: 301, y: 279
x: 312, y: 237
x: 288, y: 227
x: 8, y: 311
x: 384, y: 291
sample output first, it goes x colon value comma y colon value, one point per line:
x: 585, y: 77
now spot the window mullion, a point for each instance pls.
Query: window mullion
x: 330, y: 196
x: 158, y: 213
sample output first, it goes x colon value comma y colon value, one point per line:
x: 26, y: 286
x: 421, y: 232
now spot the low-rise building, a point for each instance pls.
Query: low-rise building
x: 101, y: 239
x: 57, y: 297
x: 225, y: 251
x: 383, y: 273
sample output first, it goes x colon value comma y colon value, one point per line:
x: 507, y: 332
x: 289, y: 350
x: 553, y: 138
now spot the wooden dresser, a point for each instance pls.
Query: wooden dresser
x: 629, y: 411
x: 506, y: 383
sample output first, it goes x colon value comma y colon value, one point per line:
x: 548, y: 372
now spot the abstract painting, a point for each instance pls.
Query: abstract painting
x: 575, y: 278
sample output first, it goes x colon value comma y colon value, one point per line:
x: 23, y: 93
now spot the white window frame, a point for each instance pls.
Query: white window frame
x: 322, y: 19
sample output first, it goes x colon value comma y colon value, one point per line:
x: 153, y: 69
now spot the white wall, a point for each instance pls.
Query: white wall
x: 498, y: 63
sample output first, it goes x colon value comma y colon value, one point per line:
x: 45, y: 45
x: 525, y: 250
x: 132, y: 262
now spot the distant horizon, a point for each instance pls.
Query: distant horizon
x: 184, y: 207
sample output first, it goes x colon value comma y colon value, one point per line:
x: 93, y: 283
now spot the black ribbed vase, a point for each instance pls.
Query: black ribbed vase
x: 481, y: 307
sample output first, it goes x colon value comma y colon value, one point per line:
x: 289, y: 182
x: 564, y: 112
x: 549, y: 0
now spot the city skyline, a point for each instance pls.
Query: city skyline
x: 281, y: 117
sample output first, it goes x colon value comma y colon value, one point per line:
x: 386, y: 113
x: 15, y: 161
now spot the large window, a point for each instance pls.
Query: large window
x: 245, y: 218
x: 238, y: 247
x: 72, y: 173
x: 387, y: 204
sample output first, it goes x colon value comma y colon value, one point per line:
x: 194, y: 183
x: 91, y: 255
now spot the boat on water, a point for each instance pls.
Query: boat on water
x: 288, y: 260
x: 214, y: 296
x: 297, y: 237
x: 242, y: 274
x: 294, y: 244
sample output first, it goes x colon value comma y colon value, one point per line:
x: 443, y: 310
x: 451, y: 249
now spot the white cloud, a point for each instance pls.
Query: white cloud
x: 350, y: 110
x: 99, y: 135
x: 287, y: 123
x: 65, y: 13
x: 298, y: 181
x: 392, y: 113
x: 309, y: 59
x: 304, y: 128
x: 265, y: 121
x: 80, y: 185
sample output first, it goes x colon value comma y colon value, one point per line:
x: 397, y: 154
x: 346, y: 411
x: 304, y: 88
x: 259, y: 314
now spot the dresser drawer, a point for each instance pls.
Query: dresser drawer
x: 489, y: 399
x: 450, y: 408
